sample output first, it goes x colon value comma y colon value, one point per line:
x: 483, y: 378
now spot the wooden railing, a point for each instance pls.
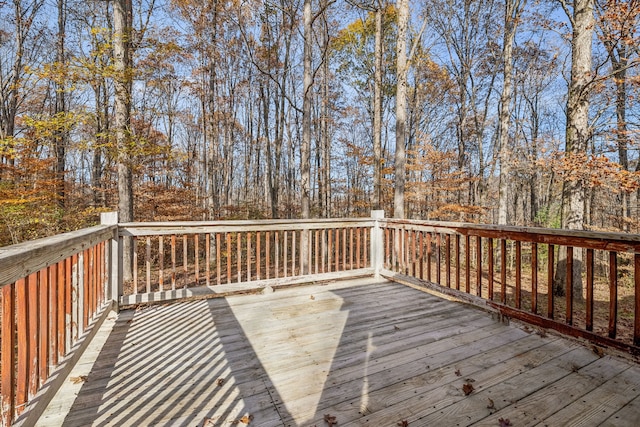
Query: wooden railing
x: 523, y: 273
x: 56, y: 292
x: 174, y: 260
x: 53, y: 291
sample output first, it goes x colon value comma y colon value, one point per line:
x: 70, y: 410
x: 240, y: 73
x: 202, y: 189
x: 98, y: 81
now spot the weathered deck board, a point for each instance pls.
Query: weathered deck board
x: 370, y: 354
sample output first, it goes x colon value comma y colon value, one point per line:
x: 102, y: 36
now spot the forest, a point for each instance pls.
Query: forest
x: 514, y: 112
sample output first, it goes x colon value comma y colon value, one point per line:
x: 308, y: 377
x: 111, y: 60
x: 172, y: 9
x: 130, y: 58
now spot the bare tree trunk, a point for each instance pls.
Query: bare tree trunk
x: 60, y: 106
x: 377, y: 112
x: 511, y: 17
x: 401, y: 108
x: 577, y: 131
x: 122, y: 83
x: 305, y: 148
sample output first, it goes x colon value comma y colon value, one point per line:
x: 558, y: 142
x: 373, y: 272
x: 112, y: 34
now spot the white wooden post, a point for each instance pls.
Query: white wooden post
x: 377, y: 244
x: 115, y: 260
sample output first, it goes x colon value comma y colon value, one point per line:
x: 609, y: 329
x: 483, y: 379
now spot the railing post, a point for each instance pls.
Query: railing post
x: 114, y: 263
x: 377, y: 243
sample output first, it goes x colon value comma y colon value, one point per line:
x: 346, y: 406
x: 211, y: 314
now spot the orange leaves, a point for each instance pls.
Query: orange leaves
x: 593, y: 171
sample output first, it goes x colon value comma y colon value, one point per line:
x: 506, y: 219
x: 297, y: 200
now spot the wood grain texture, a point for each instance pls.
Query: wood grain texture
x: 370, y: 353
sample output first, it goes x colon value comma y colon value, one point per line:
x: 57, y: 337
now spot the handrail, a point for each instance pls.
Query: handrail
x: 18, y: 261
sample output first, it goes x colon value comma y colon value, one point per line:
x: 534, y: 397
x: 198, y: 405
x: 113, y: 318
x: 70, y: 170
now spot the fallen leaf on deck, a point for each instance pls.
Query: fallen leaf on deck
x: 330, y: 419
x: 403, y: 423
x: 208, y: 422
x: 504, y: 423
x: 598, y: 351
x: 467, y: 388
x: 246, y: 419
x: 396, y: 328
x: 220, y: 381
x: 312, y: 297
x: 491, y: 405
x: 458, y: 374
x: 78, y: 380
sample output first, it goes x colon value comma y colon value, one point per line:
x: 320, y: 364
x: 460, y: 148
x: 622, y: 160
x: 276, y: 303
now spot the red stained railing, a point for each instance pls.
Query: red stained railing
x: 51, y: 291
x: 581, y: 283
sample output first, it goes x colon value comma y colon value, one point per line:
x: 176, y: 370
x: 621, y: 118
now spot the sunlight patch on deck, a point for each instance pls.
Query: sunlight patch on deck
x: 308, y: 343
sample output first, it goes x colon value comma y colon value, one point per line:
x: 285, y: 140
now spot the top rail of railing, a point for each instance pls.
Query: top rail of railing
x: 19, y: 261
x: 619, y: 242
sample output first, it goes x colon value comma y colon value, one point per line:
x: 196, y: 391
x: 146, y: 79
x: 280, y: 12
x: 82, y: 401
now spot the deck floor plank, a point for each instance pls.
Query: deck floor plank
x: 370, y: 353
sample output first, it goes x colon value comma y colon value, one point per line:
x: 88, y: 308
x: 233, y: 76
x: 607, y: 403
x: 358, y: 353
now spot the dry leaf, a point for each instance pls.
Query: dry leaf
x: 330, y: 419
x: 403, y: 423
x: 220, y: 381
x: 396, y: 328
x: 504, y: 423
x: 208, y: 422
x: 246, y: 419
x: 458, y: 374
x: 78, y: 380
x: 467, y: 388
x: 312, y: 297
x: 598, y: 351
x: 491, y: 405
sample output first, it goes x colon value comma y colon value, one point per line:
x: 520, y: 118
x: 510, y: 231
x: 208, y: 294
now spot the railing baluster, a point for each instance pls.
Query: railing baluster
x: 358, y: 252
x: 69, y: 303
x: 173, y: 262
x: 43, y: 327
x: 421, y: 254
x: 613, y: 294
x: 479, y: 266
x: 185, y: 258
x: 550, y: 273
x: 22, y: 316
x: 589, y: 285
x: 569, y: 286
x: 365, y: 252
x: 534, y: 278
x: 249, y: 257
x: 277, y: 243
x: 61, y: 298
x: 636, y: 324
x: 490, y: 261
x: 239, y: 256
x: 32, y: 284
x: 267, y: 253
x: 344, y: 249
x: 286, y: 248
x: 135, y: 265
x: 196, y: 258
x: 518, y: 274
x: 351, y: 247
x: 387, y: 252
x: 338, y: 249
x: 7, y: 352
x: 413, y: 253
x: 316, y: 243
x: 148, y: 263
x: 218, y: 260
x: 54, y: 317
x: 161, y: 261
x: 457, y: 262
x: 294, y: 254
x: 467, y: 263
x: 258, y: 256
x: 429, y: 249
x: 438, y: 261
x: 207, y: 259
x: 503, y: 271
x: 447, y: 255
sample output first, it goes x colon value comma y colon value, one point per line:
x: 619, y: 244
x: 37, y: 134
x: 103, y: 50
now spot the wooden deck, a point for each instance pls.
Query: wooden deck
x: 367, y: 353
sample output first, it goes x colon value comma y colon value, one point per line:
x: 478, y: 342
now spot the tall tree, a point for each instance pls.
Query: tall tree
x: 123, y: 83
x: 401, y: 107
x: 512, y: 13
